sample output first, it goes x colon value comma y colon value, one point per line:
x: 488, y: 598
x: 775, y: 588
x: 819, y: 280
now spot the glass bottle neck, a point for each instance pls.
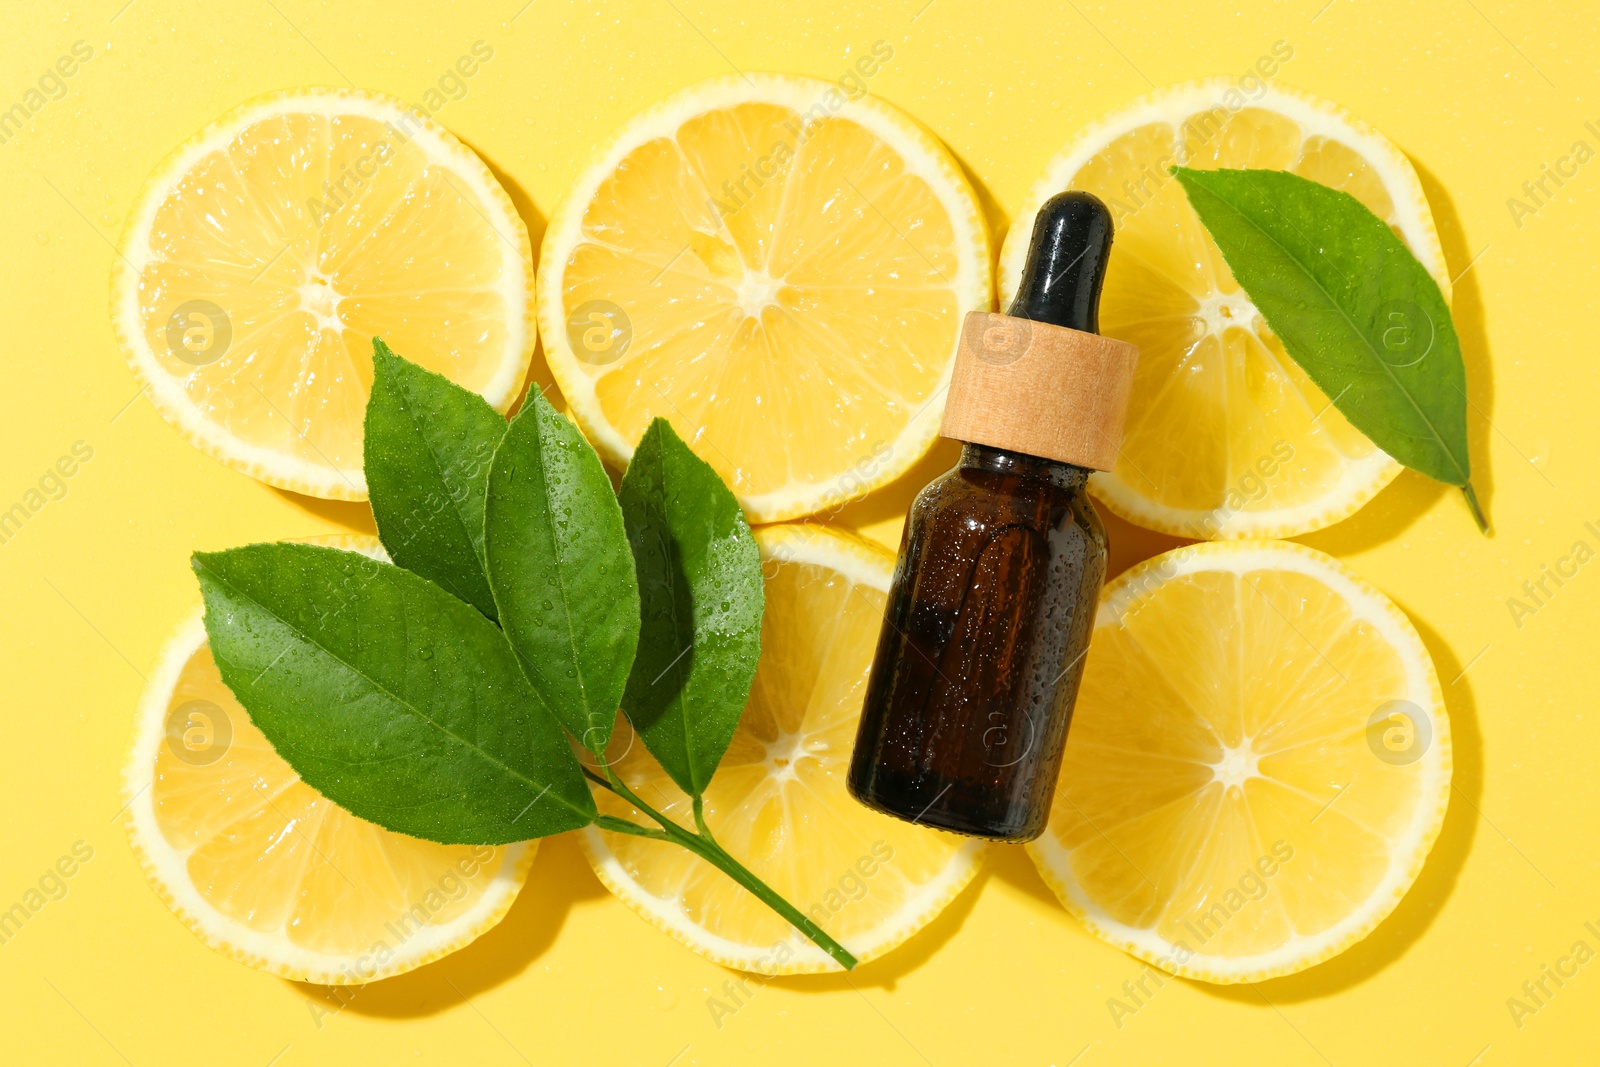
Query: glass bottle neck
x: 1022, y: 465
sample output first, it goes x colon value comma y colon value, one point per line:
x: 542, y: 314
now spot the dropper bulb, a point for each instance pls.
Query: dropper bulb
x: 1066, y: 263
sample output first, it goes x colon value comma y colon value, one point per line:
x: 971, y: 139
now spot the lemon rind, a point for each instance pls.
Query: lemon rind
x: 1361, y: 478
x: 804, y: 957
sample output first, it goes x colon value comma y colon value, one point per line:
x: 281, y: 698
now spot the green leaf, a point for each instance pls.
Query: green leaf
x: 429, y: 443
x: 394, y: 699
x: 560, y: 569
x: 1352, y: 306
x: 701, y: 595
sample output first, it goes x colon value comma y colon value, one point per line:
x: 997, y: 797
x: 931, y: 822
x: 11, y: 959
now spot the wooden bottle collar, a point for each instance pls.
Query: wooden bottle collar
x: 1044, y: 390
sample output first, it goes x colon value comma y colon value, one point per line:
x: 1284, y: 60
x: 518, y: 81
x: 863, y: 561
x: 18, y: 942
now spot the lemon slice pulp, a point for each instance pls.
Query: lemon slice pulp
x: 1257, y: 765
x: 779, y: 271
x: 265, y: 254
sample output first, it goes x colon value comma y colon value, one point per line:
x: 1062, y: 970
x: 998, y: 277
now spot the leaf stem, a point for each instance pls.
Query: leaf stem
x: 705, y: 846
x: 700, y: 816
x: 623, y: 826
x: 714, y: 854
x: 1476, y: 509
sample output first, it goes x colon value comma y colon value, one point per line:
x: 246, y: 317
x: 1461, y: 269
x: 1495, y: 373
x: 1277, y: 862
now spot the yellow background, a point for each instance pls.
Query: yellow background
x: 1480, y: 93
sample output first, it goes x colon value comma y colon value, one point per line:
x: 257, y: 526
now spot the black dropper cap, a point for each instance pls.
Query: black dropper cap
x: 1066, y: 263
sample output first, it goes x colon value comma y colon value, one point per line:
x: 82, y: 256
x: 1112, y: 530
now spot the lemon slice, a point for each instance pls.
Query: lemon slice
x: 266, y: 253
x: 266, y: 870
x: 778, y: 270
x: 778, y: 802
x: 1226, y: 435
x: 1258, y: 763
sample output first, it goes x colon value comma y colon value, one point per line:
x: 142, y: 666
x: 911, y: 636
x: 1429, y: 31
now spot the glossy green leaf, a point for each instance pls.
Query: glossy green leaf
x: 393, y: 698
x: 560, y: 569
x: 1352, y: 306
x: 428, y: 447
x: 701, y: 598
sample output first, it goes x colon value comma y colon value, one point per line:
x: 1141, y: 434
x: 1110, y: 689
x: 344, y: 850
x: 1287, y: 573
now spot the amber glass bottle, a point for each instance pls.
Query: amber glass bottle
x: 1003, y: 557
